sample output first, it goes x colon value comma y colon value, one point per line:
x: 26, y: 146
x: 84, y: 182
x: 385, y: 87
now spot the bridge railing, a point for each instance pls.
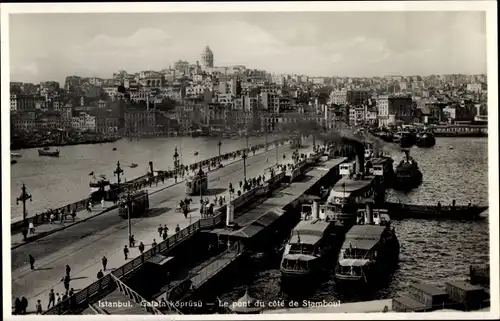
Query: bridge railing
x: 86, y: 295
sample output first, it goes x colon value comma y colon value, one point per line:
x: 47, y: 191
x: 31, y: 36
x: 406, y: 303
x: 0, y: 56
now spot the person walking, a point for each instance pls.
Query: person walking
x: 24, y: 305
x: 32, y: 228
x: 131, y: 241
x: 104, y: 262
x: 68, y: 270
x: 32, y: 262
x: 177, y: 229
x: 73, y: 214
x: 100, y: 275
x: 153, y: 245
x: 39, y: 307
x: 66, y: 280
x: 160, y: 230
x: 61, y: 217
x: 125, y: 252
x: 141, y: 247
x: 58, y: 298
x: 17, y: 306
x: 165, y: 228
x: 52, y: 298
x: 165, y: 235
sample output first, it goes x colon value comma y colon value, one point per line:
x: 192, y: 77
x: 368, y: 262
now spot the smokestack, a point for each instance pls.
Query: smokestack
x: 369, y: 213
x: 315, y: 210
x: 229, y: 212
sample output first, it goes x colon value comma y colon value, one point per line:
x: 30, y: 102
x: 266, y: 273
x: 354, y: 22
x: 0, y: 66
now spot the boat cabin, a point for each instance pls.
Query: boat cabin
x: 309, y: 240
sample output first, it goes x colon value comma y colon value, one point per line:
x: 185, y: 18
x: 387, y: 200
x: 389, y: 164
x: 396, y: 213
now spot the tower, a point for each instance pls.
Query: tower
x: 207, y: 58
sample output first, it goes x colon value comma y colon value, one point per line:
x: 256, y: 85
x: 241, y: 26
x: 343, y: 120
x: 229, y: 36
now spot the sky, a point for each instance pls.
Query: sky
x: 52, y: 46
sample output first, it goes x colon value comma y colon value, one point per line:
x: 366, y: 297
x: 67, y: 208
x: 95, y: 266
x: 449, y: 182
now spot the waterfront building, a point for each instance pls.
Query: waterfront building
x: 140, y: 121
x: 24, y: 121
x: 84, y: 122
x: 207, y: 58
x: 22, y: 102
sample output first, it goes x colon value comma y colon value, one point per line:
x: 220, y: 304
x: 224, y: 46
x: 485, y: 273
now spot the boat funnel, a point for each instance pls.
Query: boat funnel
x: 229, y: 213
x: 315, y: 210
x: 321, y: 213
x: 369, y: 213
x: 360, y: 160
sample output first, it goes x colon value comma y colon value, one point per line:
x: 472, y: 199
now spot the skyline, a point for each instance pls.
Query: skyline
x: 328, y: 44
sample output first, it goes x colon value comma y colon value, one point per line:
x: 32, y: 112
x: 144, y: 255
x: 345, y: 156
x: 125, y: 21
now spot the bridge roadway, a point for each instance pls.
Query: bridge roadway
x: 83, y: 246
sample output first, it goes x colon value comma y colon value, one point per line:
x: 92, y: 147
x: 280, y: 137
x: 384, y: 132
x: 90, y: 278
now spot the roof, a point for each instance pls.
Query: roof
x: 299, y: 257
x: 353, y: 262
x: 352, y: 185
x: 311, y: 227
x: 363, y: 236
x: 428, y: 288
x: 360, y: 244
x: 305, y: 239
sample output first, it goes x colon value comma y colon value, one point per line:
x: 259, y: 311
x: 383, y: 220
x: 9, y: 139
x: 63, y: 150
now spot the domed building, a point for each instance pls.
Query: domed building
x: 207, y: 58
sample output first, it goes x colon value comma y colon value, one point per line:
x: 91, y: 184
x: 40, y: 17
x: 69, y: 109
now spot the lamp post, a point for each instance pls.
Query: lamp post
x: 176, y: 161
x: 118, y: 171
x: 219, y: 145
x: 246, y: 136
x: 128, y: 203
x: 277, y: 144
x: 244, y: 165
x: 23, y: 198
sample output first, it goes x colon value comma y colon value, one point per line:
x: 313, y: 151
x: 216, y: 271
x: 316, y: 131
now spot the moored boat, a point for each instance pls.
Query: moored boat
x: 453, y: 212
x: 407, y: 174
x: 44, y: 152
x: 15, y: 155
x: 408, y: 139
x: 309, y: 248
x: 13, y: 161
x: 370, y: 250
x: 133, y: 165
x: 425, y: 139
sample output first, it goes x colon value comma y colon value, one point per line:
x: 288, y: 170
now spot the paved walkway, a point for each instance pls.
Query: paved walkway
x: 84, y: 252
x: 17, y: 239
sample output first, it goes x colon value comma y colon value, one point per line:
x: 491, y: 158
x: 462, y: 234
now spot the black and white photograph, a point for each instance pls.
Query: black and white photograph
x: 229, y: 158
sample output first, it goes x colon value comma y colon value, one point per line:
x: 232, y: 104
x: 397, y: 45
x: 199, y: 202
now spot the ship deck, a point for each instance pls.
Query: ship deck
x: 349, y: 185
x: 363, y: 236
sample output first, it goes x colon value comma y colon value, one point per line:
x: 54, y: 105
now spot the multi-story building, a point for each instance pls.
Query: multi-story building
x: 392, y: 108
x: 338, y: 97
x: 357, y: 97
x: 356, y: 115
x: 23, y: 121
x: 474, y: 87
x: 139, y: 121
x: 23, y: 102
x: 84, y: 122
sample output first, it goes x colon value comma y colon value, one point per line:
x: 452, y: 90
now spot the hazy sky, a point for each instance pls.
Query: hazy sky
x: 52, y: 46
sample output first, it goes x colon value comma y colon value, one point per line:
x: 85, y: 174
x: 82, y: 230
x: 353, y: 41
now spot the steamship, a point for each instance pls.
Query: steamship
x: 407, y: 173
x: 309, y: 247
x: 370, y: 250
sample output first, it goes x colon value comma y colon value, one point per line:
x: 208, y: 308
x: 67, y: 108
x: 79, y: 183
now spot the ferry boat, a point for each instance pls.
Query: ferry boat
x: 48, y: 152
x: 310, y: 246
x: 370, y: 250
x: 425, y: 139
x: 197, y: 184
x: 407, y: 174
x: 408, y: 139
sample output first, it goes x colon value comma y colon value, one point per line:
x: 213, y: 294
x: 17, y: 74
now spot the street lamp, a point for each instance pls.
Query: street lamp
x: 127, y: 201
x: 277, y: 153
x: 244, y: 165
x: 176, y: 160
x: 118, y: 171
x: 23, y: 198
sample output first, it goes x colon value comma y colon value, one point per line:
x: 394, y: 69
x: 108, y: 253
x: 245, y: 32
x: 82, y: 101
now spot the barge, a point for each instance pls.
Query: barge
x: 470, y: 212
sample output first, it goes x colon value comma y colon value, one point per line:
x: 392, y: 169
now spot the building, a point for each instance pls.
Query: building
x: 140, y: 122
x: 207, y: 58
x: 338, y: 97
x: 357, y: 97
x: 357, y: 115
x: 477, y: 88
x: 23, y: 103
x: 393, y: 108
x: 84, y: 122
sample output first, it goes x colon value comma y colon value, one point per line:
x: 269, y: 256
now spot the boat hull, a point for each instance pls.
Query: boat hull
x: 407, y: 141
x: 399, y: 211
x: 47, y: 153
x: 427, y: 141
x: 404, y: 182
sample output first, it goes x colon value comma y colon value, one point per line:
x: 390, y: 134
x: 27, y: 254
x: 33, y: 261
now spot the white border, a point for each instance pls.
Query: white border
x: 492, y: 54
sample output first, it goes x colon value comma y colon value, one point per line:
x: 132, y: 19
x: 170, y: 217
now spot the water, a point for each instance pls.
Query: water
x: 56, y: 181
x: 431, y: 251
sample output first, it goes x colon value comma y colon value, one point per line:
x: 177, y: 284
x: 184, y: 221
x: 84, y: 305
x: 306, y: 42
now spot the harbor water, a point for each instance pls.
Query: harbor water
x: 57, y: 181
x: 431, y: 251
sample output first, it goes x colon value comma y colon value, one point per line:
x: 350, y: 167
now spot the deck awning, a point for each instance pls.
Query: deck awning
x: 353, y: 262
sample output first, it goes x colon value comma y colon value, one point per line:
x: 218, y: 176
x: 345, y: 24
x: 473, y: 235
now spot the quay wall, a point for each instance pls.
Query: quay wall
x: 142, y: 181
x: 100, y: 288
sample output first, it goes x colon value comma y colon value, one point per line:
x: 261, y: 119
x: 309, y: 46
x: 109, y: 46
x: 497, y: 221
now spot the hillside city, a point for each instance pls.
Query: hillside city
x: 204, y: 99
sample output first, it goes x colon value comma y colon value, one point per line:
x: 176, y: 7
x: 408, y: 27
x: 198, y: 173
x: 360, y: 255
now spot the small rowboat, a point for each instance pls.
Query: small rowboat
x: 134, y: 165
x: 43, y: 152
